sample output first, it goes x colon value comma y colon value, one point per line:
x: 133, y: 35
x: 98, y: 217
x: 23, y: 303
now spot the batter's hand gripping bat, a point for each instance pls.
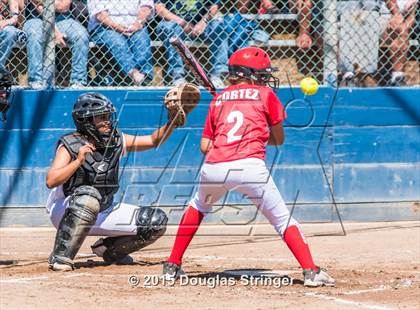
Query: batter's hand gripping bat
x: 193, y: 65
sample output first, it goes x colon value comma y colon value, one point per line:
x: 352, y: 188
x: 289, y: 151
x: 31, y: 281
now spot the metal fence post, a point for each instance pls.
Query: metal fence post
x: 330, y: 42
x: 49, y: 47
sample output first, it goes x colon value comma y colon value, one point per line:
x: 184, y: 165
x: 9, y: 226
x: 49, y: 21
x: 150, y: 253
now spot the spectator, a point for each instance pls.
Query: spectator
x: 68, y: 32
x: 120, y: 25
x: 394, y: 29
x: 194, y: 20
x: 397, y: 34
x: 240, y: 29
x: 310, y: 27
x: 304, y: 8
x: 9, y: 12
x: 268, y: 7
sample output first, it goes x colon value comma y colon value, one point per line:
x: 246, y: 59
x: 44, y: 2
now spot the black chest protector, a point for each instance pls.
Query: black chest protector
x: 99, y: 170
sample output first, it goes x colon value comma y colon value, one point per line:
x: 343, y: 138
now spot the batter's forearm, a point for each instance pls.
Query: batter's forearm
x: 205, y: 145
x: 276, y: 135
x: 206, y: 149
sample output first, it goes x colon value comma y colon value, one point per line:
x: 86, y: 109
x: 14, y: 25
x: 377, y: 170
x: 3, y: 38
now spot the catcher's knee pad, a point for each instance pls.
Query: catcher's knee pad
x: 85, y: 202
x: 78, y: 218
x: 151, y: 225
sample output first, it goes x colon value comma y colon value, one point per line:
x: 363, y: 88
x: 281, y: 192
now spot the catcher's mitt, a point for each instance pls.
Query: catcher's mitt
x: 180, y: 101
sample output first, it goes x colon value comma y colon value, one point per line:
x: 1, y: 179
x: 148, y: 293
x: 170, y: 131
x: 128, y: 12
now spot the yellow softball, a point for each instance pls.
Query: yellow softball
x: 309, y: 86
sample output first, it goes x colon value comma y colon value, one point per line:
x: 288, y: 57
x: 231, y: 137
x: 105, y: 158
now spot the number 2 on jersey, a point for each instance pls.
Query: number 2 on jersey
x: 238, y: 118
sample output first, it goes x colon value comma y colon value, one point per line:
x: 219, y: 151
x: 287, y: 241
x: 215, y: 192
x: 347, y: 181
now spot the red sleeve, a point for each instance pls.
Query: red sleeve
x: 276, y: 112
x: 208, y: 126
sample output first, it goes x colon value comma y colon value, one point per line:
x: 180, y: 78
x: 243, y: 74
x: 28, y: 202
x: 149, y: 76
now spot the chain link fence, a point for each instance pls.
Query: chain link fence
x: 125, y: 42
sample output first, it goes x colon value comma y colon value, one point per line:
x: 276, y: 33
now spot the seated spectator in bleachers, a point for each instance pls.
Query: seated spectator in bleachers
x: 241, y: 30
x: 304, y: 10
x: 9, y: 13
x: 68, y: 33
x: 396, y: 30
x: 362, y: 25
x: 198, y: 20
x: 120, y: 25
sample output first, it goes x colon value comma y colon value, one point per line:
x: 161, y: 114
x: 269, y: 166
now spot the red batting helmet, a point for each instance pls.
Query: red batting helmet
x: 252, y: 63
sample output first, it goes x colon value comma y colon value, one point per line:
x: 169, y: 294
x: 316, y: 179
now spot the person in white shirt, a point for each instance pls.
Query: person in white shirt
x: 363, y: 25
x: 121, y: 27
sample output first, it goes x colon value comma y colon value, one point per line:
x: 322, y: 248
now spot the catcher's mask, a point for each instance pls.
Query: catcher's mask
x: 88, y: 106
x: 6, y: 82
x: 253, y: 63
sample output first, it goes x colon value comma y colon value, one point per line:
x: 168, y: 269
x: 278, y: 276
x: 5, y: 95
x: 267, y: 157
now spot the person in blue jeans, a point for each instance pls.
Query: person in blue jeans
x: 199, y: 20
x: 121, y: 27
x: 240, y: 29
x: 8, y: 31
x: 68, y: 32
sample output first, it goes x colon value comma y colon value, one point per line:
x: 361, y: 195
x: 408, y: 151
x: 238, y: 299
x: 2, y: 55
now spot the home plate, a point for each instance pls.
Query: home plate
x: 256, y: 273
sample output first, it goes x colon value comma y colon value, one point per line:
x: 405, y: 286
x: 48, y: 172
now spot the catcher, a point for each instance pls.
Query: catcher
x: 84, y: 179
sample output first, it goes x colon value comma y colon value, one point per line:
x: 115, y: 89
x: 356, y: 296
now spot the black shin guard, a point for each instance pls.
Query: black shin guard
x: 75, y: 225
x: 151, y: 224
x: 119, y: 247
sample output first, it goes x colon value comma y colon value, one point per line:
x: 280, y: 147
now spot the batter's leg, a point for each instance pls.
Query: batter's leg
x: 267, y: 198
x: 208, y: 193
x: 269, y: 201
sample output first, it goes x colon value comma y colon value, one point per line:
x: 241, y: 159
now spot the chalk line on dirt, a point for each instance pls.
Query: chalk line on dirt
x: 349, y: 302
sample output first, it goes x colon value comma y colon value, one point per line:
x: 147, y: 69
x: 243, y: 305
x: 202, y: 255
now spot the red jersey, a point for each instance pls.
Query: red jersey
x: 238, y: 122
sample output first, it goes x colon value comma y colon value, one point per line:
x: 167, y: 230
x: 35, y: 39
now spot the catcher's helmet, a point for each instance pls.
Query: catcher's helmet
x: 86, y: 107
x: 6, y: 82
x: 253, y: 63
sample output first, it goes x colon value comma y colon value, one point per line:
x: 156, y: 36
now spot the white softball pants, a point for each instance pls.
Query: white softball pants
x: 249, y: 176
x: 117, y: 220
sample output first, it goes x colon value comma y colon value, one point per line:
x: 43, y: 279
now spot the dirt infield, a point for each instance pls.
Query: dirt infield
x: 376, y: 266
